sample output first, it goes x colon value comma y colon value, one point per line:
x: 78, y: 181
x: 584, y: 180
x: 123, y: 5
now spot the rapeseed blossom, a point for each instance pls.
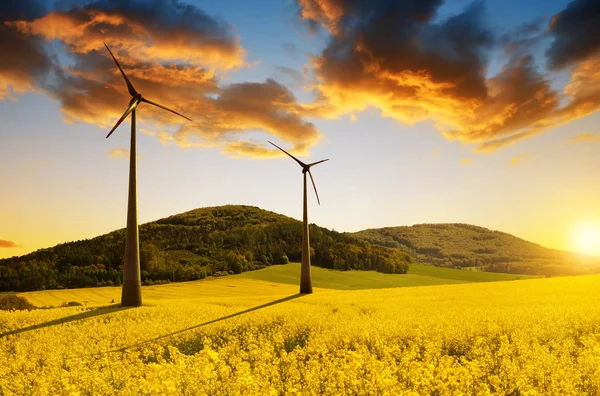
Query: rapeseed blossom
x: 529, y: 337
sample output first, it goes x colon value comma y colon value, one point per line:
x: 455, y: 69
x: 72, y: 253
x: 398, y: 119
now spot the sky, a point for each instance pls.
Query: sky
x: 430, y: 111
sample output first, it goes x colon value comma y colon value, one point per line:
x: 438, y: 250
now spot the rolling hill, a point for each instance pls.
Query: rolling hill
x: 192, y: 245
x: 234, y: 239
x: 468, y: 246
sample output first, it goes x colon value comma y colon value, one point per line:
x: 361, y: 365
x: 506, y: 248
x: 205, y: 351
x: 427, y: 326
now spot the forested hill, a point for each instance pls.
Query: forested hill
x: 193, y: 245
x: 464, y: 245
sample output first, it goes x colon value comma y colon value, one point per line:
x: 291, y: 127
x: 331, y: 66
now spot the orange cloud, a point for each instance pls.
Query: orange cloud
x: 466, y: 160
x: 269, y: 107
x: 255, y: 150
x: 85, y: 30
x: 325, y: 12
x: 8, y: 244
x: 23, y: 64
x: 390, y: 55
x: 520, y: 159
x: 148, y: 132
x: 575, y: 33
x: 520, y: 103
x: 174, y: 54
x: 581, y: 96
x: 585, y: 137
x: 121, y: 153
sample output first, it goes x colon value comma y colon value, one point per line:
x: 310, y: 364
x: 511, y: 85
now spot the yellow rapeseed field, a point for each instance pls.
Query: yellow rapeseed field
x: 522, y: 337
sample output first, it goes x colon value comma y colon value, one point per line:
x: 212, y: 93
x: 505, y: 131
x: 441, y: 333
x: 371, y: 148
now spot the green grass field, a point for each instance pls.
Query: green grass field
x: 418, y: 275
x: 278, y: 279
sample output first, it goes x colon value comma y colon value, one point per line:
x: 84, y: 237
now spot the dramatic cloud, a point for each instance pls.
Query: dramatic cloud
x: 8, y: 244
x: 520, y: 159
x: 174, y: 53
x: 577, y: 33
x: 519, y: 104
x: 24, y: 63
x: 585, y: 137
x: 267, y: 106
x: 393, y: 55
x: 176, y: 30
x: 390, y: 55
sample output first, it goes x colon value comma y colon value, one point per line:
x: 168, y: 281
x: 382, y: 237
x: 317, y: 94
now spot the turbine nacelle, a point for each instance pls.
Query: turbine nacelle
x: 305, y: 168
x: 136, y: 97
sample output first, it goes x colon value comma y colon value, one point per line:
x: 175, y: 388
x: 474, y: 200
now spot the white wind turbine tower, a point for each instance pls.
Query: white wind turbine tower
x: 305, y: 275
x: 131, y: 295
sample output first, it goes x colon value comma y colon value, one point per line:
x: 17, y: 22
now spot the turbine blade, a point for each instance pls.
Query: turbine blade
x: 165, y: 108
x: 302, y: 164
x: 129, y: 110
x: 314, y: 186
x: 318, y: 162
x: 130, y: 87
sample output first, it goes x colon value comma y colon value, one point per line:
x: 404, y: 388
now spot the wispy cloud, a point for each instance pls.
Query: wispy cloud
x: 466, y: 160
x: 290, y: 74
x: 8, y: 244
x: 290, y: 49
x: 147, y: 132
x: 585, y: 137
x: 121, y: 153
x: 520, y: 159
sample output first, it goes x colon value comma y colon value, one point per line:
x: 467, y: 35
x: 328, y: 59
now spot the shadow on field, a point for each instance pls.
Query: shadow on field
x: 281, y: 300
x: 82, y: 315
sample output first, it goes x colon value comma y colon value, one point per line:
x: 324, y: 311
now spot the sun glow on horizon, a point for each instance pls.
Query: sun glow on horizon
x: 586, y: 238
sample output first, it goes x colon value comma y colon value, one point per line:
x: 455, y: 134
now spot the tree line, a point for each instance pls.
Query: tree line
x: 194, y: 245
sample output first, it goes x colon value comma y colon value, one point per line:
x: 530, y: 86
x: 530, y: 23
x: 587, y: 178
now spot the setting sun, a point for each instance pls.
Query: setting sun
x: 586, y: 238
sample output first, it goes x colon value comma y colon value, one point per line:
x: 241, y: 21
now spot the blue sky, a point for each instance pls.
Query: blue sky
x: 61, y: 184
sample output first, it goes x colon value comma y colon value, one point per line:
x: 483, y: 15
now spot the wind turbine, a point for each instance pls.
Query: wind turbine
x: 305, y: 276
x: 131, y: 295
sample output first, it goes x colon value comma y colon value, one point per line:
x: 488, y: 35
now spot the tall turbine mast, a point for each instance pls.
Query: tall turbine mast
x: 131, y: 295
x: 305, y: 274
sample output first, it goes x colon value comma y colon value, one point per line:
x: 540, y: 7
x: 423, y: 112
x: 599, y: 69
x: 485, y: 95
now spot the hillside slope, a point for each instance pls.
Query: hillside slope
x: 468, y: 246
x: 193, y: 245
